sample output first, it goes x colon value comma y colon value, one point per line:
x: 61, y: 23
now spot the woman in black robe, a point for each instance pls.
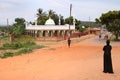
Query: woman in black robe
x: 69, y: 41
x: 107, y: 58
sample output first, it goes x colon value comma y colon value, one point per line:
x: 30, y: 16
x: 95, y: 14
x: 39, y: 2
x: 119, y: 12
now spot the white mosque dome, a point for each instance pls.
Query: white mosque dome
x: 50, y: 22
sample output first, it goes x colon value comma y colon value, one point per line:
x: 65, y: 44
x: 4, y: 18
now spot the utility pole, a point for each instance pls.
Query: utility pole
x: 89, y: 26
x: 69, y: 19
x: 69, y: 41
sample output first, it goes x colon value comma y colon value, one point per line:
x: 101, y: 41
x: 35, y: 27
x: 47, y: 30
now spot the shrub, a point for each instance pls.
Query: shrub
x: 24, y: 38
x: 24, y: 51
x: 22, y: 48
x: 4, y: 38
x: 7, y: 54
x: 28, y: 44
x: 113, y: 38
x: 12, y: 46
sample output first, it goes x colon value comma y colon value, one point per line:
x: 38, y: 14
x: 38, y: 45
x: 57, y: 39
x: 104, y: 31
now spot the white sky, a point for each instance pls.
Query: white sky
x: 82, y: 9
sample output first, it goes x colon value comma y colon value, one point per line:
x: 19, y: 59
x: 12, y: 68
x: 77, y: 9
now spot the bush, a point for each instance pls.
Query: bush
x: 22, y: 48
x: 4, y: 38
x: 7, y: 54
x: 24, y: 38
x: 37, y: 47
x: 24, y: 51
x: 12, y: 46
x: 113, y: 38
x: 28, y: 44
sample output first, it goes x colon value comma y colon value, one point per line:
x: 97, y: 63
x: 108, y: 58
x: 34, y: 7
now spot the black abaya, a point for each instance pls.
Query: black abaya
x: 107, y: 59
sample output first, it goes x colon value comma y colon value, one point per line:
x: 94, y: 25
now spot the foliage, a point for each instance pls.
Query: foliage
x: 28, y: 49
x: 69, y: 20
x: 54, y: 16
x: 23, y: 51
x: 62, y: 20
x: 19, y: 26
x: 42, y: 17
x: 112, y: 37
x: 20, y: 48
x: 7, y: 54
x: 4, y: 38
x: 28, y: 44
x: 81, y: 28
x: 24, y: 39
x: 112, y: 21
x: 12, y: 46
x: 77, y: 23
x: 6, y: 29
x: 17, y: 45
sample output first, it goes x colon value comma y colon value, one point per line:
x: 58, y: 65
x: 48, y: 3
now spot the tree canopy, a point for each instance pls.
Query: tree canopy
x: 112, y: 21
x: 41, y: 17
x: 18, y: 26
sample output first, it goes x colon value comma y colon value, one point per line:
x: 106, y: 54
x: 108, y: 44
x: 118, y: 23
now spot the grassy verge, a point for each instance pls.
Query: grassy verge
x: 24, y: 38
x: 4, y: 38
x: 7, y: 54
x: 20, y: 48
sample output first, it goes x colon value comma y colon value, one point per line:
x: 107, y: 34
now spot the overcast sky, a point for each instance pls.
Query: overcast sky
x: 81, y: 9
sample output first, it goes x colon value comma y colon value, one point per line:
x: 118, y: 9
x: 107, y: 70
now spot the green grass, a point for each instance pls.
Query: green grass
x: 24, y: 38
x: 20, y: 48
x: 12, y: 46
x: 18, y: 45
x: 23, y: 51
x: 4, y: 38
x: 22, y: 44
x: 7, y: 54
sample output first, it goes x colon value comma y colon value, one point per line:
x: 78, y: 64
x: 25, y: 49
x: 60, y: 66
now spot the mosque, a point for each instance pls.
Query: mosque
x: 50, y: 29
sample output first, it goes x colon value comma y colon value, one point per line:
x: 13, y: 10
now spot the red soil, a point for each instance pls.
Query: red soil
x: 82, y: 61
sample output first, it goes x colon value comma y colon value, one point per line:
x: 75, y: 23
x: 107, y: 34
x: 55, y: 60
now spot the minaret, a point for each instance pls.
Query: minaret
x: 26, y: 24
x: 35, y: 20
x: 73, y: 21
x: 59, y: 20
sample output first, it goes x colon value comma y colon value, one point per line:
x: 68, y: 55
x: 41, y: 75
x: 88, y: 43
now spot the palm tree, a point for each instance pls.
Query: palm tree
x: 54, y: 16
x: 51, y: 13
x: 41, y: 17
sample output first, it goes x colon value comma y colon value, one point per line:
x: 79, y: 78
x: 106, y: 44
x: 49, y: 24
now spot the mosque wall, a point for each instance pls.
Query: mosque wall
x: 49, y: 33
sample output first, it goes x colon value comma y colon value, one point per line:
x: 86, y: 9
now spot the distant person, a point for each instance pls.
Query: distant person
x: 69, y: 42
x: 107, y: 58
x: 79, y: 35
x: 106, y: 37
x: 99, y: 36
x: 65, y: 37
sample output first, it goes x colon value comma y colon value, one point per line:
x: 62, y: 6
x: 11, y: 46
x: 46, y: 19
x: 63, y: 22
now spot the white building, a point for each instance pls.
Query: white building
x: 50, y: 29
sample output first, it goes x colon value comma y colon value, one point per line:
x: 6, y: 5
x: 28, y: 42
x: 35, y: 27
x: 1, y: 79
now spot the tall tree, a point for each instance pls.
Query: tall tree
x: 78, y: 25
x: 54, y: 16
x: 69, y: 20
x: 19, y: 26
x: 62, y: 21
x: 51, y: 13
x: 112, y: 21
x: 41, y: 17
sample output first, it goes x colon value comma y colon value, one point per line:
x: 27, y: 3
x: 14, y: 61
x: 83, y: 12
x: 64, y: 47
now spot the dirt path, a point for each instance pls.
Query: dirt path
x: 83, y: 61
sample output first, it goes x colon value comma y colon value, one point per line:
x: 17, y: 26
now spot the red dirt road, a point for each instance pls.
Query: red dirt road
x: 82, y: 61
